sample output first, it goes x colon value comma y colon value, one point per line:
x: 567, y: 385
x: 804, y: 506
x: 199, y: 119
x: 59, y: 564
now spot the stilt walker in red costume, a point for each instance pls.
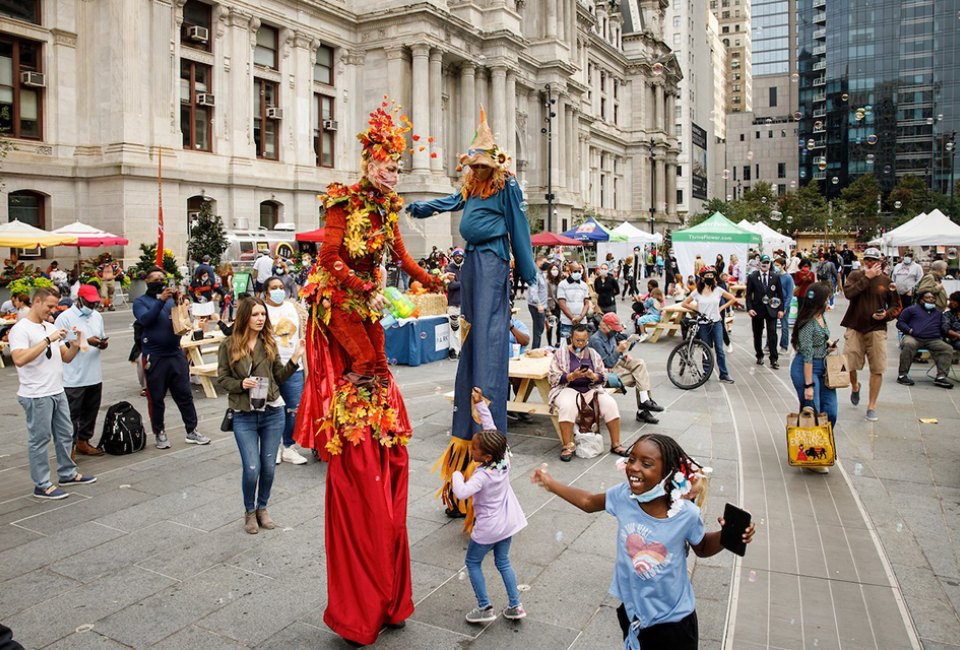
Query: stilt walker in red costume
x: 352, y: 412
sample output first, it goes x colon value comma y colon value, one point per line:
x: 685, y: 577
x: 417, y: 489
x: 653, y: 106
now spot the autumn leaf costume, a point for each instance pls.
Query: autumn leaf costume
x: 352, y: 412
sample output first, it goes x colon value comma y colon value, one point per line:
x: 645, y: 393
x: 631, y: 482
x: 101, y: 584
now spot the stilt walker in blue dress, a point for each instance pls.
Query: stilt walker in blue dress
x: 494, y: 223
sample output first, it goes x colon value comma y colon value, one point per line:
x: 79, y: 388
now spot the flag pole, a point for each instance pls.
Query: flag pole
x: 160, y: 207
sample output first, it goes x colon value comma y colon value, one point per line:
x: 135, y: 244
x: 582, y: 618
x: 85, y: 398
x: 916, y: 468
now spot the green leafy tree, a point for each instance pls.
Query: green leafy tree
x: 711, y: 206
x: 908, y: 198
x: 803, y: 210
x: 148, y: 258
x: 208, y: 236
x: 858, y: 206
x: 757, y: 203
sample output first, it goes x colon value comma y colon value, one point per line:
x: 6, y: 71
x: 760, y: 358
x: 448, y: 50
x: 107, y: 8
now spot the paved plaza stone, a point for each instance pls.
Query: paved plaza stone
x: 154, y: 556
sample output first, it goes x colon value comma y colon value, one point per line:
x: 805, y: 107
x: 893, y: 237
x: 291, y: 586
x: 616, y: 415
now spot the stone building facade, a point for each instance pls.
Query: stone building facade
x: 254, y: 106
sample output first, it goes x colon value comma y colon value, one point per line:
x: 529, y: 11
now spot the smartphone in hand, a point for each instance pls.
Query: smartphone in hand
x: 735, y: 524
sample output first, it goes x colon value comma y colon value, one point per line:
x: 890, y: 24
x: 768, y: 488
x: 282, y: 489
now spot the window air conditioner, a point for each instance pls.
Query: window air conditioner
x: 33, y: 79
x: 205, y: 99
x: 274, y: 113
x: 329, y: 125
x: 198, y: 34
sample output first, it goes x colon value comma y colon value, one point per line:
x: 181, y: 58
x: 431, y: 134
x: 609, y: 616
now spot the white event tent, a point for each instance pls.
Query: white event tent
x: 934, y: 229
x: 634, y: 237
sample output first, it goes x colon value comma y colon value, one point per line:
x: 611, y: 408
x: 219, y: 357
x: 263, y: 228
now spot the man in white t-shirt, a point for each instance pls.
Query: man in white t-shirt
x: 39, y: 350
x: 285, y: 320
x: 263, y: 269
x: 573, y: 297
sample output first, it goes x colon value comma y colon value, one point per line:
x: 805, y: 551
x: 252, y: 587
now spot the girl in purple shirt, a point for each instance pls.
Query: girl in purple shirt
x: 498, y: 515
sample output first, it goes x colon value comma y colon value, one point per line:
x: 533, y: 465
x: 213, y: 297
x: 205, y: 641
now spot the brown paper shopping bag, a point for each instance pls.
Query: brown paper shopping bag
x: 838, y: 375
x: 180, y: 315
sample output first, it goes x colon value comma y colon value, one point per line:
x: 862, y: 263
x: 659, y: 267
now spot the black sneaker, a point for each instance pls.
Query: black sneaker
x: 726, y: 380
x: 942, y: 382
x: 906, y: 381
x: 650, y: 405
x: 775, y: 365
x: 452, y: 354
x: 855, y: 396
x: 759, y: 361
x: 646, y: 416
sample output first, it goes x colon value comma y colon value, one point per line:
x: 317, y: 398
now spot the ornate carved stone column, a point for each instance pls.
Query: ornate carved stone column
x: 483, y: 78
x: 498, y: 104
x: 421, y: 104
x: 661, y: 107
x: 551, y: 23
x: 510, y: 132
x: 560, y: 142
x: 468, y: 104
x: 436, y: 110
x: 661, y: 187
x: 671, y: 171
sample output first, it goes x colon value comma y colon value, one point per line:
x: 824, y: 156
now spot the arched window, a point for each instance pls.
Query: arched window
x: 28, y: 207
x: 269, y: 214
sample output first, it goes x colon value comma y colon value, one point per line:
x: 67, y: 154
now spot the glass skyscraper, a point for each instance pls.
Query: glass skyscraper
x: 770, y: 36
x: 879, y: 90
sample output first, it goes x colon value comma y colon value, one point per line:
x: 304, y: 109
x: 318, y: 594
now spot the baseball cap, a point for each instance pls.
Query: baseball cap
x: 871, y: 254
x: 613, y: 322
x: 764, y: 258
x: 89, y: 293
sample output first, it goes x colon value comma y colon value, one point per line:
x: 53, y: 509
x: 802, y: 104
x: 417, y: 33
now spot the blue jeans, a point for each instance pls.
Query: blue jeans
x: 290, y: 391
x: 258, y: 436
x: 48, y: 416
x: 501, y: 557
x: 712, y: 335
x: 539, y: 321
x: 565, y: 331
x: 785, y: 329
x: 824, y: 399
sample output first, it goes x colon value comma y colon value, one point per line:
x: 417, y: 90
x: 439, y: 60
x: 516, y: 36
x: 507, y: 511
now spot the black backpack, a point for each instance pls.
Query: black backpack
x: 122, y: 430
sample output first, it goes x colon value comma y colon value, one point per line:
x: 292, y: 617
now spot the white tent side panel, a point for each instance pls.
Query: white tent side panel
x: 686, y: 253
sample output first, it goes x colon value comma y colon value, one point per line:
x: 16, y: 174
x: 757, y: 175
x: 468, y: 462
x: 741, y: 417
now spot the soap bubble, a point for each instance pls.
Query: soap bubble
x: 803, y: 173
x: 897, y: 204
x: 338, y: 265
x: 844, y: 97
x: 899, y: 527
x: 798, y: 116
x: 887, y: 169
x: 870, y: 158
x: 752, y: 576
x: 769, y: 120
x: 558, y: 536
x: 872, y: 139
x: 461, y: 576
x: 749, y: 155
x: 789, y: 219
x: 793, y: 184
x: 392, y: 362
x: 657, y: 68
x: 811, y: 143
x: 795, y: 77
x: 776, y: 215
x: 726, y: 174
x: 523, y: 206
x: 829, y: 222
x: 822, y: 165
x: 818, y: 125
x: 763, y: 199
x: 858, y: 140
x: 423, y: 335
x: 858, y: 469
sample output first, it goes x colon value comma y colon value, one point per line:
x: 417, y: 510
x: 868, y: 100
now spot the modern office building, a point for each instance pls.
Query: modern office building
x: 879, y: 90
x: 734, y: 17
x: 694, y: 42
x: 762, y: 142
x: 255, y: 104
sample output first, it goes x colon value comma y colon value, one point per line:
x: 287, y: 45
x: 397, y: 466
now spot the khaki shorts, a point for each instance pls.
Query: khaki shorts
x: 869, y: 345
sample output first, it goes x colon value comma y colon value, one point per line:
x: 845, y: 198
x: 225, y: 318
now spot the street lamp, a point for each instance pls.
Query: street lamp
x: 548, y: 131
x: 653, y: 185
x: 952, y: 148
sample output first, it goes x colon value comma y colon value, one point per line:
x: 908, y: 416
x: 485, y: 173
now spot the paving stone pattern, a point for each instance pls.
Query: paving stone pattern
x: 153, y: 555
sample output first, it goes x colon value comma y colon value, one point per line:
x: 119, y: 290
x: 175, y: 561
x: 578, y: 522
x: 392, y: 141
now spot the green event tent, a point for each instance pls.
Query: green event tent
x: 715, y: 236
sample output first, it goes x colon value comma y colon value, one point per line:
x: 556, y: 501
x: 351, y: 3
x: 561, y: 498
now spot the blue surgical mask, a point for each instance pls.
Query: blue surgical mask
x: 277, y: 295
x: 576, y: 276
x: 85, y: 311
x: 655, y: 492
x: 929, y: 306
x: 907, y: 260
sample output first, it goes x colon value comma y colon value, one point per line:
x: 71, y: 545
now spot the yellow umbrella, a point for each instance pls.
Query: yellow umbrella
x: 17, y: 234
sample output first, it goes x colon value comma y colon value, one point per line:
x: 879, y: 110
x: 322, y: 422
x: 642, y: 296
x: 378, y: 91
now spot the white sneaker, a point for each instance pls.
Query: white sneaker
x: 291, y: 455
x: 279, y: 453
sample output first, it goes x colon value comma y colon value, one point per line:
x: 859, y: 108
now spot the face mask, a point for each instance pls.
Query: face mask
x: 85, y: 311
x: 603, y: 273
x: 277, y: 295
x: 907, y: 260
x: 458, y: 260
x: 655, y: 492
x: 928, y: 306
x: 554, y: 272
x: 578, y: 350
x: 576, y: 276
x: 153, y: 288
x: 709, y: 282
x: 281, y: 271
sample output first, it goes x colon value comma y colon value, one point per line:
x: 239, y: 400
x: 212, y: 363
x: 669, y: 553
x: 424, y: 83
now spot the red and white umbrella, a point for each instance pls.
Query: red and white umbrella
x: 89, y: 237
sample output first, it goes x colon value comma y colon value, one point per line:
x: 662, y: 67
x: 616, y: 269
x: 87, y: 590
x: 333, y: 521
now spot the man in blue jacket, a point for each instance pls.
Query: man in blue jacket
x: 164, y: 364
x: 787, y: 286
x: 920, y: 324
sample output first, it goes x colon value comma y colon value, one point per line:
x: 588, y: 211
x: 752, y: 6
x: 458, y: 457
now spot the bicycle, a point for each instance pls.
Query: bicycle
x: 691, y: 362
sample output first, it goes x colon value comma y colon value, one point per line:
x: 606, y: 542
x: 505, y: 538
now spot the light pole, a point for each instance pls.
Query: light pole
x: 548, y: 131
x: 952, y: 148
x: 653, y: 186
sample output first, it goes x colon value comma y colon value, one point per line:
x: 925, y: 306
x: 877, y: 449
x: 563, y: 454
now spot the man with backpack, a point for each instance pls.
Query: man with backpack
x: 83, y: 378
x: 827, y: 272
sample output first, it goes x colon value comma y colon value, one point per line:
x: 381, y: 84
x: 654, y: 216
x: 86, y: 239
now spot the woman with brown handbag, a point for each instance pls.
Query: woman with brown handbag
x: 576, y: 376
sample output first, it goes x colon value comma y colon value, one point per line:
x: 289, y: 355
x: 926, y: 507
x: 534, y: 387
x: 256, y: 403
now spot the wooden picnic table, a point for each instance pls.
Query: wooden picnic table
x: 205, y: 370
x: 669, y: 324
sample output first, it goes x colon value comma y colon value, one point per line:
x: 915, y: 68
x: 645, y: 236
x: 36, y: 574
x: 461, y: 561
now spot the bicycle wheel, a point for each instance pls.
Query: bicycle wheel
x: 690, y: 364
